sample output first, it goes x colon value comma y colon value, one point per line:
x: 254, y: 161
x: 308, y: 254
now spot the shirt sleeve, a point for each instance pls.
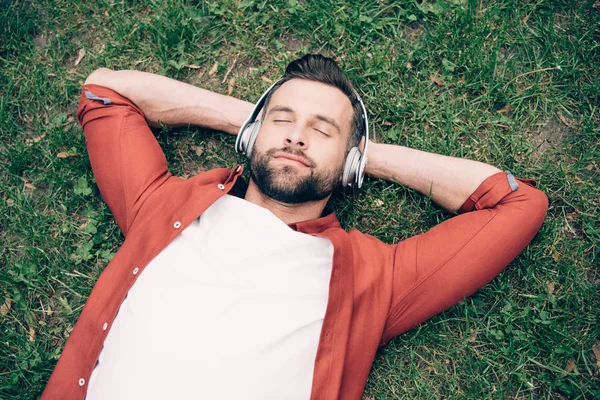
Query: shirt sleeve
x: 126, y: 159
x: 437, y: 269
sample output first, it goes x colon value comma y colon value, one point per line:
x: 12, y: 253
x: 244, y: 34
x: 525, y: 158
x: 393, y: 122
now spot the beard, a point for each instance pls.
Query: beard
x: 286, y: 185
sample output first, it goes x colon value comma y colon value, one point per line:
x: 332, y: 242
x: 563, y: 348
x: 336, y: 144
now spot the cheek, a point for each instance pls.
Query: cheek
x: 333, y: 156
x: 342, y: 159
x: 262, y: 140
x: 268, y: 137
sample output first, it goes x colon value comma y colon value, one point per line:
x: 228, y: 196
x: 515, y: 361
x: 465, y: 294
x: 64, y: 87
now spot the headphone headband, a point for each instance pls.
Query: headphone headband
x: 354, y: 170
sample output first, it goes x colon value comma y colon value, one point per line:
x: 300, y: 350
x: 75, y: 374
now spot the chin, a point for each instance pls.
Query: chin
x: 287, y: 177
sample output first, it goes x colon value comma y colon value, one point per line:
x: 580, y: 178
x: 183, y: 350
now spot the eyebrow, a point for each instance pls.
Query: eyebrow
x: 280, y: 108
x: 320, y: 117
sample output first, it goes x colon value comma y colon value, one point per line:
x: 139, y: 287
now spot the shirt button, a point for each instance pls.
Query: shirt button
x: 81, y: 381
x: 221, y: 186
x: 135, y: 270
x: 105, y: 326
x: 176, y: 225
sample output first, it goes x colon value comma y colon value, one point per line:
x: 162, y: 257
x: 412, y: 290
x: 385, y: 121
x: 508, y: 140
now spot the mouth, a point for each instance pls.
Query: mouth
x: 291, y: 159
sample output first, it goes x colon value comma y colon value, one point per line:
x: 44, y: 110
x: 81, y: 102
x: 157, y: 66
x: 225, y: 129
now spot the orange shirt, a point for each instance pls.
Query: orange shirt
x: 376, y: 292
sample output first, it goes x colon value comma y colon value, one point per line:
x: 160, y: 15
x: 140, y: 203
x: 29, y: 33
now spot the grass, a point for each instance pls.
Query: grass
x: 465, y: 78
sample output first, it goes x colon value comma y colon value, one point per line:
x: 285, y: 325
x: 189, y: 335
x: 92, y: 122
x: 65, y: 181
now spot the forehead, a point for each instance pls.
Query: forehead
x: 313, y: 98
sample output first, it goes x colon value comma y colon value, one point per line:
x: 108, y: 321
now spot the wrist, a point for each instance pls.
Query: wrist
x: 372, y: 159
x: 386, y: 161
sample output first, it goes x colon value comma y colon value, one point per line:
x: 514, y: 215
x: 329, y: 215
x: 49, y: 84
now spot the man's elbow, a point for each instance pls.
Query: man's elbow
x: 97, y: 77
x: 537, y: 206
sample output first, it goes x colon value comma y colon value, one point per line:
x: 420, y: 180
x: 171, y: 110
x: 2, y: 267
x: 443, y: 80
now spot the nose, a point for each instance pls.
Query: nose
x: 295, y: 138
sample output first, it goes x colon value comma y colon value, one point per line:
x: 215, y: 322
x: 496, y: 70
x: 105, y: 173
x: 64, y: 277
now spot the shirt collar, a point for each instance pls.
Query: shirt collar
x: 317, y: 225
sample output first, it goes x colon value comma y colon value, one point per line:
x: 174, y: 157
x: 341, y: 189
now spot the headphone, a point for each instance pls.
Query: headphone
x: 356, y: 161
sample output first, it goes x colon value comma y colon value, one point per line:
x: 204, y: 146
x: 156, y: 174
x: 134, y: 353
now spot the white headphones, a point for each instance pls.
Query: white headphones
x: 356, y: 161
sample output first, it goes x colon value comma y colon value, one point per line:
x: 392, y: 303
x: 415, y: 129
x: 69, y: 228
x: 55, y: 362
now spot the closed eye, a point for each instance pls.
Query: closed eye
x: 321, y: 132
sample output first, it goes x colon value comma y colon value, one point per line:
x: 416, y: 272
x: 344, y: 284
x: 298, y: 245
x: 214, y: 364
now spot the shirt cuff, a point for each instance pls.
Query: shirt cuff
x: 493, y: 190
x: 95, y: 96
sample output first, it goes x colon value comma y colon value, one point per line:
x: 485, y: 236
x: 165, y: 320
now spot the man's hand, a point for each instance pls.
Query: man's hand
x: 449, y: 181
x: 174, y: 103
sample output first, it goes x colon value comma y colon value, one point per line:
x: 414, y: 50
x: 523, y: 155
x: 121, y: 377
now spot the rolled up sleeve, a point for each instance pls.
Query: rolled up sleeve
x: 126, y: 159
x: 437, y: 269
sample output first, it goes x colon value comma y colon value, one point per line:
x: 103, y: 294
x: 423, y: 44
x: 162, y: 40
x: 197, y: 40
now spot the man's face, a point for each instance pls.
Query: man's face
x: 300, y: 151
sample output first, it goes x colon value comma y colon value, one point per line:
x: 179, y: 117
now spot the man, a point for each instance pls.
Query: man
x: 262, y: 295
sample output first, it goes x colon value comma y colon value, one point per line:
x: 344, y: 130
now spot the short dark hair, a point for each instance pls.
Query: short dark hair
x: 318, y: 68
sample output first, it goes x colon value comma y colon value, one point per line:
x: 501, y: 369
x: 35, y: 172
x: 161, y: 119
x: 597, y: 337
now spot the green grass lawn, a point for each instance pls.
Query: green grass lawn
x: 512, y: 83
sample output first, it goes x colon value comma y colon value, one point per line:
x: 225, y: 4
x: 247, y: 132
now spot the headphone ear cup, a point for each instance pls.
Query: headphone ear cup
x: 351, y: 167
x: 251, y: 132
x: 242, y: 142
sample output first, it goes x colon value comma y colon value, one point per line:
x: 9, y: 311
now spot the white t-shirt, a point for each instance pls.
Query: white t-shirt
x: 231, y: 309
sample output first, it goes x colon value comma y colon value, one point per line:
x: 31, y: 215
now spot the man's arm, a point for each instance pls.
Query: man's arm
x: 436, y: 269
x: 448, y: 180
x: 115, y: 109
x: 174, y: 103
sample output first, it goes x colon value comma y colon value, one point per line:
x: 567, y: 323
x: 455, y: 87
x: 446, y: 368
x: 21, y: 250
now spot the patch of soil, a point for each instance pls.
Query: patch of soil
x: 553, y: 134
x: 413, y: 32
x: 294, y: 44
x: 41, y: 41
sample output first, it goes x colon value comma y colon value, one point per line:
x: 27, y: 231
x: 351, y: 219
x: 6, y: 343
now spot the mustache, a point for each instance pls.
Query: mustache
x: 297, y: 153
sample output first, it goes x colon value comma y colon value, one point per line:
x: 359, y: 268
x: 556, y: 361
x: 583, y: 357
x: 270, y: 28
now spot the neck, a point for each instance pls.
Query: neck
x: 288, y: 213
